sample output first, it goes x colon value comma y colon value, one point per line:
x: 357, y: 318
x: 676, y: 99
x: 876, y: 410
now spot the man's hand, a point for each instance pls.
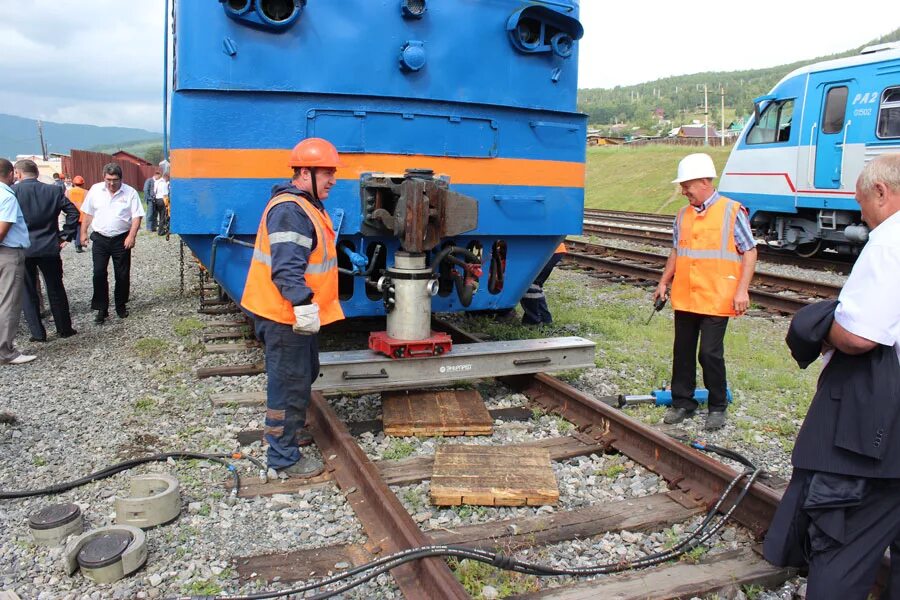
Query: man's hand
x: 662, y: 291
x: 85, y: 240
x: 741, y: 302
x: 129, y: 241
x: 62, y: 244
x: 307, y: 319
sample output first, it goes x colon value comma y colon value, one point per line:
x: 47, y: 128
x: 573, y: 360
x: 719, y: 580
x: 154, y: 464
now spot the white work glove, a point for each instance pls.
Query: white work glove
x: 307, y: 319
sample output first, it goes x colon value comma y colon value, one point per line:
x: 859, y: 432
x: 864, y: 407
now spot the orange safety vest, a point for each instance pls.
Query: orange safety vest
x: 76, y: 196
x: 707, y: 263
x: 261, y: 296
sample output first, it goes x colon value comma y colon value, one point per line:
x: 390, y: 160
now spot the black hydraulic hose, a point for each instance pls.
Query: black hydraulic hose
x: 699, y: 536
x: 440, y: 256
x: 128, y: 464
x: 463, y: 290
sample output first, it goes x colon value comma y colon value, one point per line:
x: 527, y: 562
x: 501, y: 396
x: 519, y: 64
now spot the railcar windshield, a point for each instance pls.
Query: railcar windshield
x: 774, y: 124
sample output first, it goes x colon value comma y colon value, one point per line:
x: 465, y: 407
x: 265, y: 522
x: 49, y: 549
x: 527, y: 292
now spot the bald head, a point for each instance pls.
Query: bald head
x: 878, y: 189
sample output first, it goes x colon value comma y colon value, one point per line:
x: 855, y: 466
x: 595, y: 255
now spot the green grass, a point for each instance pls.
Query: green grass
x: 611, y: 471
x: 474, y: 576
x: 639, y: 178
x: 772, y: 394
x: 151, y: 347
x: 145, y: 404
x: 188, y: 326
x: 399, y: 449
x: 202, y: 587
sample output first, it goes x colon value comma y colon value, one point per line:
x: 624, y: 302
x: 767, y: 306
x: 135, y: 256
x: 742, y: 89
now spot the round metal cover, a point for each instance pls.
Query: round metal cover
x: 104, y: 550
x: 53, y: 516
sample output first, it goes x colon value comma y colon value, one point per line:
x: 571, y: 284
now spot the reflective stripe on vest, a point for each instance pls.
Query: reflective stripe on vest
x: 707, y: 264
x: 261, y: 296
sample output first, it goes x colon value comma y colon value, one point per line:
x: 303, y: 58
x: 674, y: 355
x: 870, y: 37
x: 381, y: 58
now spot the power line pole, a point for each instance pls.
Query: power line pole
x: 41, y: 135
x: 705, y: 115
x: 722, y: 133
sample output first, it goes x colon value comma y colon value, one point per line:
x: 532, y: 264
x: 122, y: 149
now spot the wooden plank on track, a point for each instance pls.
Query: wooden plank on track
x: 231, y: 370
x: 226, y: 324
x: 301, y: 564
x: 493, y: 476
x: 232, y: 334
x: 674, y: 581
x: 241, y: 346
x: 251, y: 487
x: 240, y: 399
x: 432, y: 413
x: 651, y: 513
x: 219, y: 310
x: 410, y: 470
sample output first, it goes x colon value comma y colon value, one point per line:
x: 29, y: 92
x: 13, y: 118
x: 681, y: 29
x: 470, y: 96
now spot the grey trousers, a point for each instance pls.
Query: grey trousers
x: 12, y: 278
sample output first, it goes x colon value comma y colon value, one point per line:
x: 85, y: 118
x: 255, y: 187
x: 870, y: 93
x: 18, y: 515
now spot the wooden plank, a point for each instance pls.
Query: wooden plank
x: 493, y: 476
x: 231, y: 370
x: 408, y: 470
x: 241, y: 346
x: 301, y: 564
x: 432, y: 413
x: 251, y: 487
x: 219, y: 310
x: 226, y: 324
x: 240, y: 399
x: 651, y: 513
x: 230, y: 334
x: 675, y: 581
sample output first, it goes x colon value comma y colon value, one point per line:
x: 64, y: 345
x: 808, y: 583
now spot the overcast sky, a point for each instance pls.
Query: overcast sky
x: 100, y: 61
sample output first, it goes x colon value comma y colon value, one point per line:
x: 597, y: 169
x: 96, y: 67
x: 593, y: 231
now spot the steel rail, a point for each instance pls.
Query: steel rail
x: 387, y: 523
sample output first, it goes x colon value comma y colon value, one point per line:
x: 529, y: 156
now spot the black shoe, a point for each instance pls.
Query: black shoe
x: 715, y: 420
x: 123, y: 314
x: 34, y: 339
x: 101, y: 316
x: 68, y: 334
x: 677, y: 415
x: 306, y: 467
x: 79, y: 249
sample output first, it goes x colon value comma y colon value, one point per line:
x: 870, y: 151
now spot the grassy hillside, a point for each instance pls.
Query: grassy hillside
x: 639, y: 178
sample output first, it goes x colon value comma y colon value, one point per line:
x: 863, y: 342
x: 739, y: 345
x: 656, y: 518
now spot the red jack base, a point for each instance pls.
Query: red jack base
x: 436, y: 345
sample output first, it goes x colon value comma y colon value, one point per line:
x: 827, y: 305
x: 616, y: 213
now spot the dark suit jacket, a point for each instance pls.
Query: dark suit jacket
x: 42, y: 204
x: 852, y: 425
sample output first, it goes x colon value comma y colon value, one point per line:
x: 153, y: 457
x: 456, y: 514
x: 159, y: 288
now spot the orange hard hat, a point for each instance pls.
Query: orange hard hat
x: 78, y: 180
x: 315, y: 152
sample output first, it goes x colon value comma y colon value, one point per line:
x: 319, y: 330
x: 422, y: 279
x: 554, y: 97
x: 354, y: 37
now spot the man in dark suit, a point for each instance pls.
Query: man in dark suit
x: 841, y: 510
x: 42, y: 204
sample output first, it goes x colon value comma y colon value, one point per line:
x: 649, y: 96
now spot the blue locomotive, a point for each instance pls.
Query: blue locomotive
x: 796, y: 162
x: 455, y: 121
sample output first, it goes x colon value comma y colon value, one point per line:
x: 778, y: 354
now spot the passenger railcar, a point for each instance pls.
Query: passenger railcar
x: 456, y: 123
x: 796, y: 163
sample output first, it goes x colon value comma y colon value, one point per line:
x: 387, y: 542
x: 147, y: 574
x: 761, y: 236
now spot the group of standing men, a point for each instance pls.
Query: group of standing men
x: 156, y: 195
x: 31, y: 241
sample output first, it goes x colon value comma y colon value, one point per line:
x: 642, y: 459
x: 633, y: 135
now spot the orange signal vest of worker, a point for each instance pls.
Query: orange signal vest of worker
x: 76, y: 196
x: 261, y: 296
x: 707, y: 263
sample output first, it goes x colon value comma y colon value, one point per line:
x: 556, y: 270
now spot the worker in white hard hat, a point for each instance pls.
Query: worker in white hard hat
x: 709, y: 270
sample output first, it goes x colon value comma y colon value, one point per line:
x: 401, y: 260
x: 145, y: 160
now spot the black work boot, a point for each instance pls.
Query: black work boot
x: 304, y: 468
x: 715, y: 420
x: 677, y: 415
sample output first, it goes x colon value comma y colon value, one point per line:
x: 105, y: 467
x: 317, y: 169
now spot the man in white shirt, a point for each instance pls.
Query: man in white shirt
x: 113, y: 210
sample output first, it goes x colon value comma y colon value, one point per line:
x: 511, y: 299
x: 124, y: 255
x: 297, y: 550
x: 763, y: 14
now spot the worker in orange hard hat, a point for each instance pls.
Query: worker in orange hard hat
x: 292, y: 289
x: 76, y: 195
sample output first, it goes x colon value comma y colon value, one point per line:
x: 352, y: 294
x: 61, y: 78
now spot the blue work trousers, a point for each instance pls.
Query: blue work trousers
x: 292, y: 364
x: 152, y: 214
x: 534, y: 303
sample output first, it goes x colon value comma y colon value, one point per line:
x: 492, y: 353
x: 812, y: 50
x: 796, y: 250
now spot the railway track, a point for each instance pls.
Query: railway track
x: 773, y: 292
x: 656, y: 230
x: 695, y: 483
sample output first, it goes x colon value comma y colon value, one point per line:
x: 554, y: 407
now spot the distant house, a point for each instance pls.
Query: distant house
x: 128, y: 157
x: 694, y: 132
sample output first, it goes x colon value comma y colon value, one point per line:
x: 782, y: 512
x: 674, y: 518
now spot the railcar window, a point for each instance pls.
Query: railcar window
x: 835, y: 109
x: 889, y: 114
x: 774, y: 123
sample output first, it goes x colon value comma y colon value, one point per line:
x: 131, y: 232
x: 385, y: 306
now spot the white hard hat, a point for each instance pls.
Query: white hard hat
x: 695, y: 166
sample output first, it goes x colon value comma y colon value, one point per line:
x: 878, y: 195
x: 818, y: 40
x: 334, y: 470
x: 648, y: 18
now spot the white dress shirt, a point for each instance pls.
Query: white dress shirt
x: 870, y: 300
x: 112, y: 213
x: 161, y: 188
